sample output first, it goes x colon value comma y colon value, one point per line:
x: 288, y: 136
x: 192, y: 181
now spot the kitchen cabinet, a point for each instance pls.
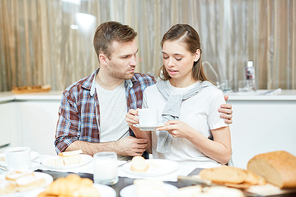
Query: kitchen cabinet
x: 262, y: 123
x: 30, y: 119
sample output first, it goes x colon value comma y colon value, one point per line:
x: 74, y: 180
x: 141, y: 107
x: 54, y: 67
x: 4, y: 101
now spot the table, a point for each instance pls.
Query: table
x: 123, y: 181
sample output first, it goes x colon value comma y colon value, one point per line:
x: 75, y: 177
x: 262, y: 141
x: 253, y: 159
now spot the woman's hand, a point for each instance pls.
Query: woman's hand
x: 177, y: 129
x: 131, y: 117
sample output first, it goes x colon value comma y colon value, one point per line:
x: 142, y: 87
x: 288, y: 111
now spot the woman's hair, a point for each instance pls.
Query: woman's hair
x: 189, y: 37
x: 111, y: 31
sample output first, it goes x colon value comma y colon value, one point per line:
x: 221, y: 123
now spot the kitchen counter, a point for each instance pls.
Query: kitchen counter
x: 284, y: 95
x: 50, y: 96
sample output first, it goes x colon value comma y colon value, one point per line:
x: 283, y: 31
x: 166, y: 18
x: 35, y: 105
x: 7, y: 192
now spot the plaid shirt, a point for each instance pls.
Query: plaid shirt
x: 79, y: 113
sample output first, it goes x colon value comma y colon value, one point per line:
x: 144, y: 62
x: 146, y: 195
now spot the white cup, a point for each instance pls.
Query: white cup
x: 18, y: 158
x: 105, y: 168
x: 148, y: 117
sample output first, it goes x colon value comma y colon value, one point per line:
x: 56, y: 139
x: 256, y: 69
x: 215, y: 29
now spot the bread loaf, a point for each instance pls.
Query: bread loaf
x: 224, y: 174
x: 277, y: 168
x: 139, y: 164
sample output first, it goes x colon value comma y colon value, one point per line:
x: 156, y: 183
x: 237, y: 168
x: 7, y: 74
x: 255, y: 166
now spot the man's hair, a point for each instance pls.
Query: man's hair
x: 111, y: 31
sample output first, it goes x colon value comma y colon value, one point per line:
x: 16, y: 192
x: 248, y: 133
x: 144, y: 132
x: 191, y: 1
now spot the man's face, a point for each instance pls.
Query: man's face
x: 122, y: 62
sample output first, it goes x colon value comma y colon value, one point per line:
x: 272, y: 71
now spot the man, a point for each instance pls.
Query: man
x: 93, y: 109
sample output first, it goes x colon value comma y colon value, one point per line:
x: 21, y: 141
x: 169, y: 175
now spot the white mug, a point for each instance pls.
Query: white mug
x: 105, y: 168
x: 18, y: 158
x: 148, y: 117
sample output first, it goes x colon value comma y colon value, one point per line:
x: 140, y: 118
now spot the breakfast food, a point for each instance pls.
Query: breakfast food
x: 19, y: 181
x: 224, y: 174
x: 231, y: 177
x: 7, y: 187
x: 70, y: 153
x: 29, y: 182
x: 149, y: 187
x: 277, y: 168
x: 65, y: 158
x: 139, y: 164
x: 72, y: 185
x: 16, y: 174
x: 62, y: 161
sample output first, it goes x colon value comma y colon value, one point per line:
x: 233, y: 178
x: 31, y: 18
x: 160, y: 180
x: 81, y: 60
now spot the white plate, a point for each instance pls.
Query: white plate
x: 85, y: 159
x: 105, y: 191
x: 149, y: 128
x: 130, y: 191
x: 157, y: 167
x: 48, y: 180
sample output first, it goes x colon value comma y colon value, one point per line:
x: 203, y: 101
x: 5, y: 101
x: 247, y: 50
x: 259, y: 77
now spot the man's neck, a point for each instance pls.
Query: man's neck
x: 107, y: 82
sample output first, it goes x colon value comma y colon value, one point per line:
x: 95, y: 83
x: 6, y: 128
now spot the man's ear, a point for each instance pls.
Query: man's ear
x: 103, y: 59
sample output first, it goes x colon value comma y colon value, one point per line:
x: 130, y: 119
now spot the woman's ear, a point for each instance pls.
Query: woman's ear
x: 197, y: 55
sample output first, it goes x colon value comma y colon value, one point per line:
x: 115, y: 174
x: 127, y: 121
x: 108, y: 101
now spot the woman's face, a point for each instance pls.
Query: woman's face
x: 178, y: 61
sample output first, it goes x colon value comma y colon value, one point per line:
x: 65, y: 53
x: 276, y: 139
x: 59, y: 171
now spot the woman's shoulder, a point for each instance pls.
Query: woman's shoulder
x: 212, y: 91
x: 151, y: 88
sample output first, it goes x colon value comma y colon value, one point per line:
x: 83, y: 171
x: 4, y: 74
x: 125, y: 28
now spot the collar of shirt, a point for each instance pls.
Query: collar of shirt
x: 92, y: 85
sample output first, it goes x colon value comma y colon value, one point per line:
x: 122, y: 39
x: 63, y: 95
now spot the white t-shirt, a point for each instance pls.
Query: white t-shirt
x: 113, y: 109
x: 200, y: 112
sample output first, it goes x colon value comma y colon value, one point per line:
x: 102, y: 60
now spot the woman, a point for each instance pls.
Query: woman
x: 188, y: 103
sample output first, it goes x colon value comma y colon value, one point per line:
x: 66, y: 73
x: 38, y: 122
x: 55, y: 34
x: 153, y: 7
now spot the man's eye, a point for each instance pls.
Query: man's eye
x: 178, y: 59
x: 165, y: 57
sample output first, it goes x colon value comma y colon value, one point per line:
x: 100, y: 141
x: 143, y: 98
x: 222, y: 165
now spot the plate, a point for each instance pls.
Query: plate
x: 157, y: 167
x: 130, y: 191
x: 150, y: 128
x: 48, y: 180
x: 105, y: 191
x: 85, y: 159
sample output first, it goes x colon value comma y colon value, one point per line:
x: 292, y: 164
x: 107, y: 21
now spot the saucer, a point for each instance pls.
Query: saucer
x: 148, y: 128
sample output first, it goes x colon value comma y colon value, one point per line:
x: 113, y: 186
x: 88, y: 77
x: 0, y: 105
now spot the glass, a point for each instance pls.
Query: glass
x: 105, y: 168
x: 244, y: 86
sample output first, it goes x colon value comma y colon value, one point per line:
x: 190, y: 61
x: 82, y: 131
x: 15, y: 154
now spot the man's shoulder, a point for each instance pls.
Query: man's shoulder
x: 76, y: 88
x: 144, y: 78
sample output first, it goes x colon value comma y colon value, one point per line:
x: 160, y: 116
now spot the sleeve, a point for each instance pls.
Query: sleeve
x: 214, y: 119
x: 67, y: 130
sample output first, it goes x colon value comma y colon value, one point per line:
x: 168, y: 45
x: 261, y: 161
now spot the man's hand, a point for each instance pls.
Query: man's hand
x: 131, y: 146
x: 226, y: 110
